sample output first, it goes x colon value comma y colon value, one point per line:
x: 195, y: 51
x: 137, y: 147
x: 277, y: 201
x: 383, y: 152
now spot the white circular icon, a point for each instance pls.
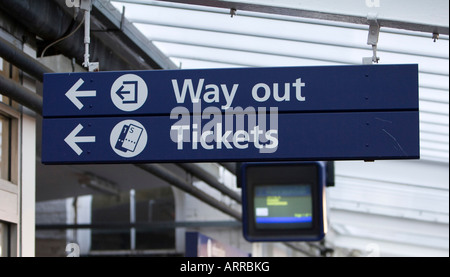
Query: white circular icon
x: 129, y: 92
x: 128, y: 138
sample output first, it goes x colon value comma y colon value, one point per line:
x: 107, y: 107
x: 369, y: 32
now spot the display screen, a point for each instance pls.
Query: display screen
x: 283, y: 206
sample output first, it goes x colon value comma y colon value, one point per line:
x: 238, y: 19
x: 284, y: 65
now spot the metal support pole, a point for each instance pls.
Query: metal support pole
x: 23, y: 61
x: 86, y: 6
x: 132, y: 219
x: 20, y: 94
x: 174, y: 180
x: 210, y: 180
x: 374, y: 34
x: 87, y: 37
x: 429, y: 16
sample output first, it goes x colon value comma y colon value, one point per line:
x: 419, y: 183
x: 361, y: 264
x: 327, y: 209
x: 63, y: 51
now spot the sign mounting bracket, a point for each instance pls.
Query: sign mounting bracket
x: 374, y: 34
x: 86, y: 7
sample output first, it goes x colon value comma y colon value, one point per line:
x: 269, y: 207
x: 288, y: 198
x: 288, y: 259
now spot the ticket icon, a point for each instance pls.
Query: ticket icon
x: 129, y: 138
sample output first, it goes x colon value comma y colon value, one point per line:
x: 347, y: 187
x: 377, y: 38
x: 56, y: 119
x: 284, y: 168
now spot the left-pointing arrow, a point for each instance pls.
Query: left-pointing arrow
x: 73, y: 94
x: 72, y: 140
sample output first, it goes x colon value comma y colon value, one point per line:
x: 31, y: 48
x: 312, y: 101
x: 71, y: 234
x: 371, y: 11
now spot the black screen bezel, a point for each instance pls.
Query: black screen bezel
x: 282, y: 174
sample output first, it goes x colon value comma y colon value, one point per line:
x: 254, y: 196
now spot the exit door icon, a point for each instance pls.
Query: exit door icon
x: 129, y: 92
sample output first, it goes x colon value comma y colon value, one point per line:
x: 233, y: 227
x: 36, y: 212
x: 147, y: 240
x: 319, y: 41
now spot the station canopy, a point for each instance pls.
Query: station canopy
x: 410, y: 197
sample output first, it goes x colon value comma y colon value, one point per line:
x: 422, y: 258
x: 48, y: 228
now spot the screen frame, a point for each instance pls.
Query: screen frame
x: 283, y: 173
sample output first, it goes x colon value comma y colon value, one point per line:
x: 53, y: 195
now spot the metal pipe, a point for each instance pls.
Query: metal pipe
x: 210, y: 180
x: 280, y: 36
x: 17, y: 57
x: 275, y: 17
x: 35, y: 15
x: 142, y: 225
x: 174, y: 180
x: 26, y: 63
x: 312, y: 12
x: 132, y: 219
x: 20, y: 94
x: 87, y: 37
x: 47, y: 20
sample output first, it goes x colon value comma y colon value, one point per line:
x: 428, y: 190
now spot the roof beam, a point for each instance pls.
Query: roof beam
x: 414, y: 15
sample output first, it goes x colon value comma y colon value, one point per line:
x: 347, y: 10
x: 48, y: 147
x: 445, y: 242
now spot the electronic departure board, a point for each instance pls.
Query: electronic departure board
x: 283, y: 206
x: 283, y: 201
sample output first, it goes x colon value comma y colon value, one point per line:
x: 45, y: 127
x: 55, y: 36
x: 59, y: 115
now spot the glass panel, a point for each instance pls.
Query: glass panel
x: 153, y: 206
x: 52, y: 243
x: 150, y: 206
x: 106, y: 210
x: 5, y: 148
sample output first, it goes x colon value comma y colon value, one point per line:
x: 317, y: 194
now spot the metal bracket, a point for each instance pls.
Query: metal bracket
x: 233, y: 12
x: 122, y: 19
x: 435, y: 37
x: 94, y: 67
x: 374, y: 34
x: 86, y: 5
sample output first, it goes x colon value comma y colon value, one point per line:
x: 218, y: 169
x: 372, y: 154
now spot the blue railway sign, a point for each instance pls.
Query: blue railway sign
x: 290, y: 89
x: 290, y: 113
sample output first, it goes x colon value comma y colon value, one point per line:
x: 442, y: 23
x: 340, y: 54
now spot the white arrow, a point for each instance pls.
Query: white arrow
x: 72, y: 139
x: 73, y: 94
